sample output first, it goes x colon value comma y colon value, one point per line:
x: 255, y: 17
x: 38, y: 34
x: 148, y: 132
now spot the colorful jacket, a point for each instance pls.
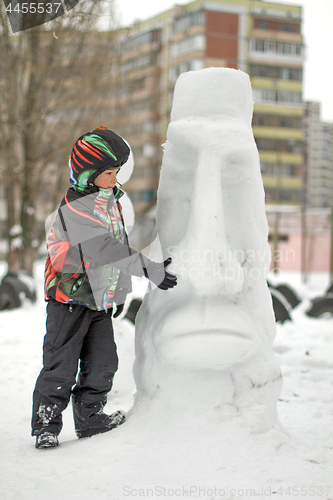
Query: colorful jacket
x: 89, y: 260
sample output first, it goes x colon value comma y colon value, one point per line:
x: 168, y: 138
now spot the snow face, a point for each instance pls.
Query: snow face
x: 208, y: 341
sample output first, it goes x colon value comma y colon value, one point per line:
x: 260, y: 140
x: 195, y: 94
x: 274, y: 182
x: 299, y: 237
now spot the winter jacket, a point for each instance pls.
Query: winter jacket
x: 89, y: 260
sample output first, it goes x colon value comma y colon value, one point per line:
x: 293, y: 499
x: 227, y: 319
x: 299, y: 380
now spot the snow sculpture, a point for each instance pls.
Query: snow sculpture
x: 207, y: 343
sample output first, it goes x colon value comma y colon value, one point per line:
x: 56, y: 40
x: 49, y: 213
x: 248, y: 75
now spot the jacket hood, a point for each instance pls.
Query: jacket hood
x: 92, y: 154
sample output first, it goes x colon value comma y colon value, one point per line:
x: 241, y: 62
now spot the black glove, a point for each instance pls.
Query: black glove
x: 157, y: 274
x: 119, y: 310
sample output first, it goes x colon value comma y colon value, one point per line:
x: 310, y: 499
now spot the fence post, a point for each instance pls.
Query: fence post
x: 303, y: 263
x: 276, y: 242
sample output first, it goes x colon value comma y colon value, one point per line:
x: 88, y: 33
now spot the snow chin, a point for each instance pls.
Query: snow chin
x: 218, y: 340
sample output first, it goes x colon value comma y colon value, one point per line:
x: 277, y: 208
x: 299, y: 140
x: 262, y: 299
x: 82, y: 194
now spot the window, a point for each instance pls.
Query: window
x: 290, y: 28
x: 276, y: 25
x: 288, y: 195
x: 143, y: 171
x: 263, y: 71
x: 276, y: 72
x: 188, y: 45
x: 277, y: 97
x: 137, y: 107
x: 194, y: 18
x: 267, y: 169
x: 138, y: 62
x: 192, y: 65
x: 134, y: 86
x: 288, y: 122
x: 296, y: 74
x: 138, y: 41
x: 145, y: 150
x: 286, y: 48
x: 147, y: 195
x: 260, y: 46
x: 144, y: 196
x: 274, y: 170
x: 138, y: 84
x: 280, y: 48
x: 263, y: 25
x: 277, y: 121
x: 279, y: 145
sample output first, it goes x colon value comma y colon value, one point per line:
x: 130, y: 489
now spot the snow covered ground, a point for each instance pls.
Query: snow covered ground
x: 185, y: 456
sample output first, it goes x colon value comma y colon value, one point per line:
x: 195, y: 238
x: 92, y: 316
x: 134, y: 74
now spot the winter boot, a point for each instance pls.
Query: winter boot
x: 91, y: 420
x: 47, y: 440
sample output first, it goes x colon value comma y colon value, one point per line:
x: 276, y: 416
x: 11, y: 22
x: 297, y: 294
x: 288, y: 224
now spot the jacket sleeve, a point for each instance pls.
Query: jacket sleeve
x: 91, y: 237
x: 124, y: 287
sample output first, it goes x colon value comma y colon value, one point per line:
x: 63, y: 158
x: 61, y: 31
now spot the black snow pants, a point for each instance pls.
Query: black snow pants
x: 78, y: 340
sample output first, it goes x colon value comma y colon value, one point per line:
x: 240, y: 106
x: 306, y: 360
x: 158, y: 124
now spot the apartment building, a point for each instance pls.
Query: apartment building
x: 318, y: 140
x: 327, y: 164
x: 261, y: 38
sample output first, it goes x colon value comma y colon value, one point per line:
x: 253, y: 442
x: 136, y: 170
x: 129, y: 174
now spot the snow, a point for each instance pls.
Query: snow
x: 208, y: 342
x: 156, y: 457
x: 207, y: 414
x: 16, y: 242
x: 15, y: 230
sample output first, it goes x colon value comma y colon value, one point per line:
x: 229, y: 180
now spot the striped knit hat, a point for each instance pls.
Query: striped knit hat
x: 93, y: 153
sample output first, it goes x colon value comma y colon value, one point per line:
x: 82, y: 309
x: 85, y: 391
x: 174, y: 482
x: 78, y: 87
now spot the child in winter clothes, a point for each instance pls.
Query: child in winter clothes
x: 88, y: 270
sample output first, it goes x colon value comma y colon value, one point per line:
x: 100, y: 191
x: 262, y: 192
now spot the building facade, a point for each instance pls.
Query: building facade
x: 326, y: 198
x: 261, y: 38
x: 318, y: 140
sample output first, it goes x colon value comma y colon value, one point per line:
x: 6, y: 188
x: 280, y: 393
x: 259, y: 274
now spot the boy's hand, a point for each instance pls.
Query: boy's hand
x: 160, y: 276
x: 167, y: 262
x: 119, y: 310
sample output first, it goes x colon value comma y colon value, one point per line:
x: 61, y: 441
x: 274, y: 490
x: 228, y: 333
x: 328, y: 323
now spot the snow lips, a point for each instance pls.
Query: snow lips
x: 208, y: 341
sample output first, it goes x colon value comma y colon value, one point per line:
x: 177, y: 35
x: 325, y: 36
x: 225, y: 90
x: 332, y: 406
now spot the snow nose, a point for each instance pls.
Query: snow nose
x: 204, y: 257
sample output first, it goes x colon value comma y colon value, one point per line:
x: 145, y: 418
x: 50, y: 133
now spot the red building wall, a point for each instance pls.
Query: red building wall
x: 222, y: 37
x: 289, y: 255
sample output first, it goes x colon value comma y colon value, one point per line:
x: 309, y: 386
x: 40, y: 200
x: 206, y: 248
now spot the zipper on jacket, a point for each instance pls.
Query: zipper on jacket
x: 80, y: 281
x: 105, y: 296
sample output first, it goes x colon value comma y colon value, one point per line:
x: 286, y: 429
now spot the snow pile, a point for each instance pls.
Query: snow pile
x: 206, y: 345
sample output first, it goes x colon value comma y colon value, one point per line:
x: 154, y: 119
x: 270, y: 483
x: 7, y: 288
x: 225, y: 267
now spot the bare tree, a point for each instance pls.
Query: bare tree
x: 51, y: 90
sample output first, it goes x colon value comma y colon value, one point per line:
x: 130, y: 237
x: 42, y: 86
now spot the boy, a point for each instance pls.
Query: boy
x: 88, y: 269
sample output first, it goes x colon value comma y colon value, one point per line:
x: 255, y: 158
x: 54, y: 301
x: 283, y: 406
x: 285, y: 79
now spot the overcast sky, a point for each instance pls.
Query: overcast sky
x: 317, y: 30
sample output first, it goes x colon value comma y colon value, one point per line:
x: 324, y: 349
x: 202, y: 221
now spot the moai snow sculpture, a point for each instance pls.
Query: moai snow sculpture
x: 207, y: 343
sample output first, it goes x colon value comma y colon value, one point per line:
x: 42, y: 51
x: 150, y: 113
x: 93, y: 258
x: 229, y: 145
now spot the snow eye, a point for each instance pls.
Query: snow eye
x: 239, y: 166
